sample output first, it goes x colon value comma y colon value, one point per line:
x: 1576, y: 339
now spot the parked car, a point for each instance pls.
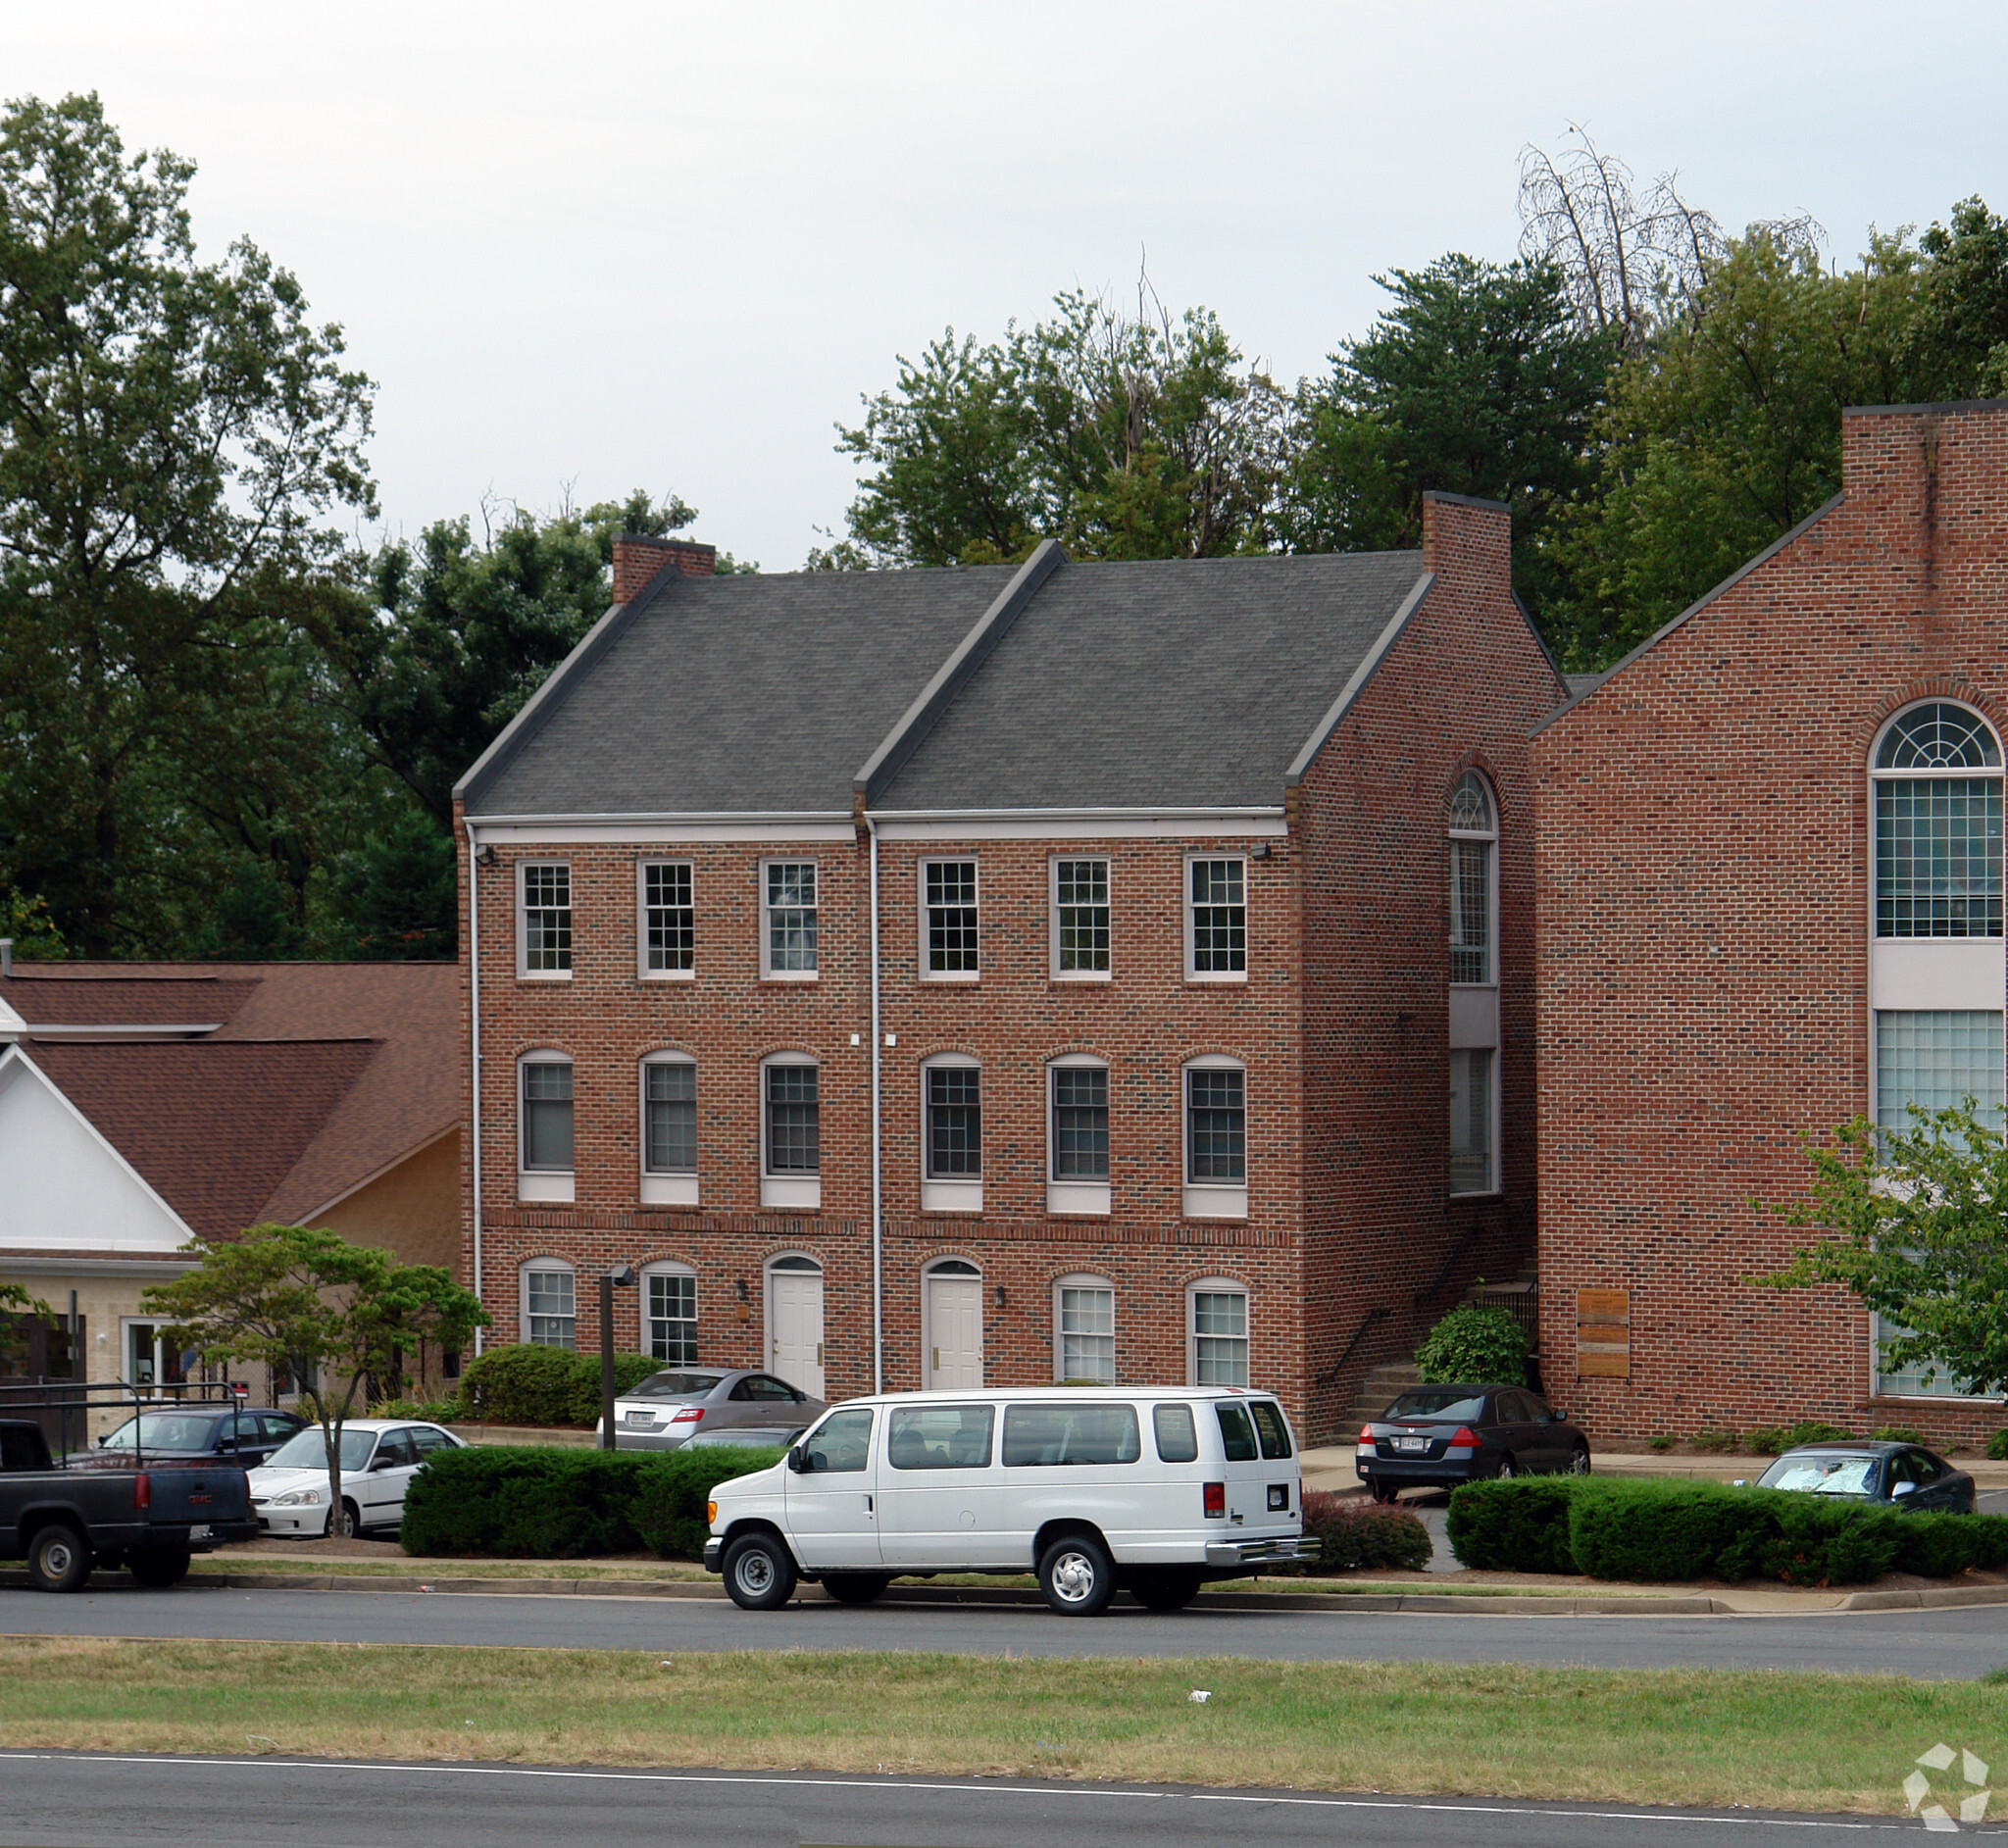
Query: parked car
x: 668, y: 1408
x: 747, y: 1437
x: 242, y: 1434
x: 379, y: 1459
x: 1439, y: 1437
x: 68, y: 1521
x: 1904, y: 1475
x: 1152, y: 1490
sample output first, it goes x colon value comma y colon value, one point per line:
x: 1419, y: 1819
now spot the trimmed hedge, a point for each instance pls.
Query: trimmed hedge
x: 1356, y: 1535
x: 1671, y: 1532
x: 544, y: 1386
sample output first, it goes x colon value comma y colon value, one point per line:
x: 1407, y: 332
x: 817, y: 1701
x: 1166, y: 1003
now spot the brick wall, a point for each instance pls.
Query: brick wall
x: 636, y: 559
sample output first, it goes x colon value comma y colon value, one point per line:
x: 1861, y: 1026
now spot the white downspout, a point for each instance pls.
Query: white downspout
x: 877, y: 1218
x: 473, y: 951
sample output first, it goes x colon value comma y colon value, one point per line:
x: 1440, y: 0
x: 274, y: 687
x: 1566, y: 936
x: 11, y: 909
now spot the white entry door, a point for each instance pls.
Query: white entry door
x: 955, y: 1332
x: 794, y: 1329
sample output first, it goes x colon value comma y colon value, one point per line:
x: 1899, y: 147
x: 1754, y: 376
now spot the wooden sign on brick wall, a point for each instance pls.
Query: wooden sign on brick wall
x: 1603, y: 1334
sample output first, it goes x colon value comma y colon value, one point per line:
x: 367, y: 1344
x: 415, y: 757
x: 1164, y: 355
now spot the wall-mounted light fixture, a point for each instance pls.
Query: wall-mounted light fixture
x: 485, y: 854
x: 1000, y: 1296
x: 1260, y: 851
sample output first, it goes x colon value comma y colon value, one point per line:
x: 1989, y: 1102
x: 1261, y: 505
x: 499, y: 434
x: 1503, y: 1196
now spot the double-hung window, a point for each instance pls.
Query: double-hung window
x: 1080, y: 919
x: 1084, y: 1331
x: 787, y: 917
x: 1215, y: 1139
x: 669, y: 1313
x: 792, y: 1133
x: 1077, y: 1136
x: 543, y: 927
x: 952, y: 1135
x: 669, y: 1131
x: 1216, y: 920
x: 669, y: 920
x: 549, y: 1307
x: 948, y: 913
x: 1219, y: 1311
x: 544, y: 1168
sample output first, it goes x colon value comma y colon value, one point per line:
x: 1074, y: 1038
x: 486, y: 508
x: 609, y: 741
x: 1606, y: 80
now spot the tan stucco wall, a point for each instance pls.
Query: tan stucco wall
x: 413, y: 1212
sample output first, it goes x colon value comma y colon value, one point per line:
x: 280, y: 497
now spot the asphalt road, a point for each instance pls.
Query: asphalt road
x: 1952, y: 1644
x: 60, y: 1800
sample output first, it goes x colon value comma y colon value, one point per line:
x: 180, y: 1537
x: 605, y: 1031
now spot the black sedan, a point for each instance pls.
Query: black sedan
x: 242, y: 1434
x: 1439, y: 1437
x: 1899, y: 1475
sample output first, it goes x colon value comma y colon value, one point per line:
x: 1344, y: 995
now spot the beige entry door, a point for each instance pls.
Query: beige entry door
x: 794, y: 1328
x: 955, y: 1330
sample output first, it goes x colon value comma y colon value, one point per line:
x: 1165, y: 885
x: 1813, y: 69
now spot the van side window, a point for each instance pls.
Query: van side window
x: 1269, y: 1428
x: 1178, y: 1437
x: 939, y: 1437
x: 842, y: 1441
x: 1052, y: 1435
x: 1236, y: 1435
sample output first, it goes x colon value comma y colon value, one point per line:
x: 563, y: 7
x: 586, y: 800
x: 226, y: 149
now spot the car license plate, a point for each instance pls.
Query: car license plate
x: 1418, y: 1445
x: 642, y: 1418
x: 198, y: 1533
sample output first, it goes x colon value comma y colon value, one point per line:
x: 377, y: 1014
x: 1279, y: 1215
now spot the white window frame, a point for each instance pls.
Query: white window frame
x: 954, y: 1194
x: 925, y: 917
x: 1212, y: 1199
x: 768, y: 971
x: 666, y: 1267
x: 665, y: 1186
x: 523, y: 972
x: 550, y: 1184
x: 547, y: 1265
x: 644, y: 972
x: 793, y: 1189
x: 1492, y: 1186
x: 1489, y: 837
x: 1077, y: 1196
x: 1083, y: 1280
x: 1053, y: 864
x: 1194, y: 973
x: 1216, y: 1286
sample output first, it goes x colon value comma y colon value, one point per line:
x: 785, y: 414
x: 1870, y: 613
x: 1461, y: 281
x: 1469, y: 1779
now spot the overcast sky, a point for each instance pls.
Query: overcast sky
x: 589, y: 245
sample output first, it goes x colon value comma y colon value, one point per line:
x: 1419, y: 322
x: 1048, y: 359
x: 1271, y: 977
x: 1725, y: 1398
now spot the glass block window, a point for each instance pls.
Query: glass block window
x: 1220, y: 1338
x: 1087, y: 1334
x: 672, y: 1313
x: 550, y: 1316
x: 1933, y: 1060
x: 1080, y: 916
x: 955, y: 1123
x: 1218, y: 917
x: 547, y: 1116
x: 1216, y: 1125
x: 1471, y: 910
x: 790, y: 904
x: 669, y: 1093
x: 1080, y: 1123
x: 1938, y: 736
x: 1938, y: 857
x: 794, y: 1141
x: 1471, y: 1167
x: 951, y: 887
x: 546, y: 919
x: 669, y: 919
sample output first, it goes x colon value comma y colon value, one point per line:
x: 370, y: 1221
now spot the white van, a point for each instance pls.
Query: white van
x: 1150, y: 1490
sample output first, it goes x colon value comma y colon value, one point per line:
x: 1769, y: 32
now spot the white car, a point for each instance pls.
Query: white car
x: 379, y: 1459
x: 1149, y: 1490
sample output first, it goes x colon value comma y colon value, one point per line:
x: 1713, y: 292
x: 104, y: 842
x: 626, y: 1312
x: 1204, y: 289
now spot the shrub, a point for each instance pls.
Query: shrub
x: 1521, y: 1526
x: 1652, y: 1531
x: 1811, y: 1430
x: 1897, y: 1434
x: 1707, y: 1439
x: 1660, y: 1440
x: 536, y: 1501
x: 1478, y: 1346
x: 544, y: 1386
x: 434, y: 1410
x: 1355, y: 1534
x: 669, y: 1506
x: 1998, y: 1447
x: 1767, y: 1440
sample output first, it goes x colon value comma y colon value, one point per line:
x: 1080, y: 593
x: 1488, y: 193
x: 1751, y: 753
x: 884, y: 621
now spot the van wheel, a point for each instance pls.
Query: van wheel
x: 59, y: 1560
x: 855, y: 1587
x: 1077, y: 1576
x: 759, y: 1573
x: 158, y: 1566
x: 1166, y: 1591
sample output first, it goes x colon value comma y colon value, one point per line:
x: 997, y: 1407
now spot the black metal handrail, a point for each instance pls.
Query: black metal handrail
x: 1379, y: 1313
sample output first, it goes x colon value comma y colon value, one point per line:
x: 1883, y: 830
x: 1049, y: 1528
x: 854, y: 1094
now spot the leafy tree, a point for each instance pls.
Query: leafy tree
x: 311, y: 1305
x: 1914, y: 1221
x: 25, y: 921
x: 14, y: 1305
x: 397, y: 898
x: 175, y: 437
x: 1957, y: 343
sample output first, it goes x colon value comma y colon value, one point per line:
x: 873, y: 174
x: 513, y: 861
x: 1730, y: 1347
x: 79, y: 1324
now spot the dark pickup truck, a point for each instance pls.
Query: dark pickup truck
x: 147, y: 1515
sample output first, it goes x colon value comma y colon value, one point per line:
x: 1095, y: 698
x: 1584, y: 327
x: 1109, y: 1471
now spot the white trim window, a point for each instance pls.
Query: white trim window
x: 948, y: 921
x: 1216, y: 917
x: 549, y: 1304
x: 1938, y: 781
x: 544, y: 1131
x: 1473, y: 833
x: 1084, y: 1331
x: 669, y: 920
x: 788, y: 920
x: 1473, y: 1116
x: 543, y: 920
x: 669, y: 1129
x: 1471, y: 823
x: 1078, y: 898
x: 1217, y: 1333
x: 951, y: 1135
x: 790, y: 1132
x: 669, y: 1312
x: 1216, y: 1094
x: 1078, y: 1135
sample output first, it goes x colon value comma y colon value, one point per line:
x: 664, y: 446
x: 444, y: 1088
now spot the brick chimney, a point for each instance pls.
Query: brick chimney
x: 1463, y: 536
x: 636, y: 559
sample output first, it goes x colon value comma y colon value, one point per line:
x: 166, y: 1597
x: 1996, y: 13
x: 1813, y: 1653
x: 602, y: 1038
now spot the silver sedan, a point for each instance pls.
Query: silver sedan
x: 673, y: 1406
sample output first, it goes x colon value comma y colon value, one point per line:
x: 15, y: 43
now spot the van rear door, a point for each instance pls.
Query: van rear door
x: 1260, y: 1468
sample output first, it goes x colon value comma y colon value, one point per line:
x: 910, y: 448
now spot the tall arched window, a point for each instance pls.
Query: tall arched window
x: 1473, y: 833
x: 1471, y: 823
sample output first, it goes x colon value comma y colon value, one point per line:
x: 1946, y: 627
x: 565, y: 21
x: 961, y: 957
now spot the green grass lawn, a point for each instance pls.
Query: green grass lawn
x: 1673, y: 1736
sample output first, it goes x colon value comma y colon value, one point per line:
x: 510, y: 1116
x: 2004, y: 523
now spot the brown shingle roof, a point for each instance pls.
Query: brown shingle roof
x: 122, y: 1001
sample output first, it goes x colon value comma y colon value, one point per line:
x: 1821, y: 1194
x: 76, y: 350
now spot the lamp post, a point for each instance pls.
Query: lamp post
x: 625, y: 1277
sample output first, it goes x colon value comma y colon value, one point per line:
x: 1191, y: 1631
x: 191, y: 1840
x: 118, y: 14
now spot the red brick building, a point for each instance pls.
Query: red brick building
x: 1017, y: 974
x: 1770, y: 899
